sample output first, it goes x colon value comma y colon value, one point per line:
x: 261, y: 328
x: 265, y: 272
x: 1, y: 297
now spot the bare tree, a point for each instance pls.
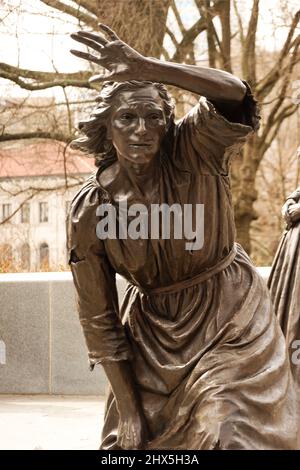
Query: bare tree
x: 232, y: 44
x: 278, y: 175
x: 272, y: 89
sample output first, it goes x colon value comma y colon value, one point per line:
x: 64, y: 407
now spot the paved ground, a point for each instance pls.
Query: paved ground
x: 50, y: 422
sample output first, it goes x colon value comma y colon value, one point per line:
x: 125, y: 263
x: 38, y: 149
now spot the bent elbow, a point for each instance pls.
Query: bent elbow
x: 239, y: 91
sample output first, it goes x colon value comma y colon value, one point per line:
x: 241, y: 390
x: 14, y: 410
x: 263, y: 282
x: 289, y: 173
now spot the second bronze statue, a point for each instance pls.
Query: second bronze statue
x: 284, y: 282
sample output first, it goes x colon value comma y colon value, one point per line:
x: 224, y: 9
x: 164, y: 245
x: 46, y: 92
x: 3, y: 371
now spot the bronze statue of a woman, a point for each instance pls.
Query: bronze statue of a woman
x: 284, y: 281
x: 194, y: 355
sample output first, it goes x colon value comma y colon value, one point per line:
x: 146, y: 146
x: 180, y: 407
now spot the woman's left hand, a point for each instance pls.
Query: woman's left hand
x: 294, y: 213
x: 119, y: 61
x: 285, y: 210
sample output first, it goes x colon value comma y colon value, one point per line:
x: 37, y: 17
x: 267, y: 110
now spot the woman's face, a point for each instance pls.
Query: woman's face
x: 137, y: 124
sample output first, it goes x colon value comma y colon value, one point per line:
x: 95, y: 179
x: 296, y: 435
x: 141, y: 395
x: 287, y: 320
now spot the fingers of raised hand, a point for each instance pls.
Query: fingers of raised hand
x: 95, y: 40
x: 110, y: 33
x: 86, y: 41
x: 86, y: 56
x: 94, y: 37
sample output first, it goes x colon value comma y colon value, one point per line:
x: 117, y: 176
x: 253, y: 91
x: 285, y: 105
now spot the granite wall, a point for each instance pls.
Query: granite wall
x: 42, y: 348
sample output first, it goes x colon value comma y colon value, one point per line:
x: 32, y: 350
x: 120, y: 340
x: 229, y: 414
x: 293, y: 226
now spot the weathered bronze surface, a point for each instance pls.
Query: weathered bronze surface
x: 194, y: 355
x: 284, y: 281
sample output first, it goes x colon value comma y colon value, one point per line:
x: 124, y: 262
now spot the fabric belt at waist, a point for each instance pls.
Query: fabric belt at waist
x: 203, y: 276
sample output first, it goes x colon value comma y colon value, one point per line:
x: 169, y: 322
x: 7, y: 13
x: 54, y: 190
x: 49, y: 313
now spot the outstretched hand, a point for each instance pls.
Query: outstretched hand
x: 119, y: 61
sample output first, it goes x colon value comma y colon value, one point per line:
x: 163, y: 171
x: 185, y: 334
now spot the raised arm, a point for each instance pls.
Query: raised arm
x: 121, y: 63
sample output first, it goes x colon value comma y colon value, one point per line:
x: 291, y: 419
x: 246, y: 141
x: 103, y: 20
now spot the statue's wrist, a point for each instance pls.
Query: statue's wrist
x: 151, y: 69
x: 128, y: 409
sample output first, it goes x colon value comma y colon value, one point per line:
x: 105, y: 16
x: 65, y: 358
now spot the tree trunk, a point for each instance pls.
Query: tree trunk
x: 140, y: 23
x: 243, y: 174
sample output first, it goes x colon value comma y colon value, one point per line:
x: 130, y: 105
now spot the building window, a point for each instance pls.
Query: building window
x: 6, y: 211
x: 25, y: 214
x: 25, y: 257
x: 43, y: 211
x: 44, y: 257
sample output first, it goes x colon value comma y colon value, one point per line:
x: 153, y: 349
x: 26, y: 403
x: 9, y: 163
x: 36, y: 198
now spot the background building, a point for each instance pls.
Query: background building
x: 37, y: 182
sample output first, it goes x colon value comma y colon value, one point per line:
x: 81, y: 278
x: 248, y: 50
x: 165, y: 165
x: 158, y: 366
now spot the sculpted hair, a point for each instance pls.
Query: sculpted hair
x: 94, y: 140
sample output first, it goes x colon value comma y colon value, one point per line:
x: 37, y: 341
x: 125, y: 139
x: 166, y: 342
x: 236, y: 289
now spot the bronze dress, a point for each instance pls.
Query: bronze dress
x: 208, y: 354
x: 284, y: 284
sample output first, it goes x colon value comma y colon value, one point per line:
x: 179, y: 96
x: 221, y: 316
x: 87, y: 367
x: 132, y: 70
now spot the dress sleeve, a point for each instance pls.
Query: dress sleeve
x: 213, y: 133
x: 94, y: 280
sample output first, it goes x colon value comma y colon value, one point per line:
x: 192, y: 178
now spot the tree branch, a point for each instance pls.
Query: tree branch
x: 166, y: 54
x: 43, y: 79
x: 191, y: 34
x: 276, y: 110
x: 225, y: 46
x: 69, y: 114
x: 271, y: 132
x: 18, y: 208
x: 178, y: 17
x: 265, y: 86
x: 248, y: 60
x: 203, y: 7
x: 89, y: 5
x: 172, y: 36
x: 223, y: 52
x: 240, y: 23
x: 16, y: 104
x: 36, y: 135
x: 75, y: 12
x: 35, y: 191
